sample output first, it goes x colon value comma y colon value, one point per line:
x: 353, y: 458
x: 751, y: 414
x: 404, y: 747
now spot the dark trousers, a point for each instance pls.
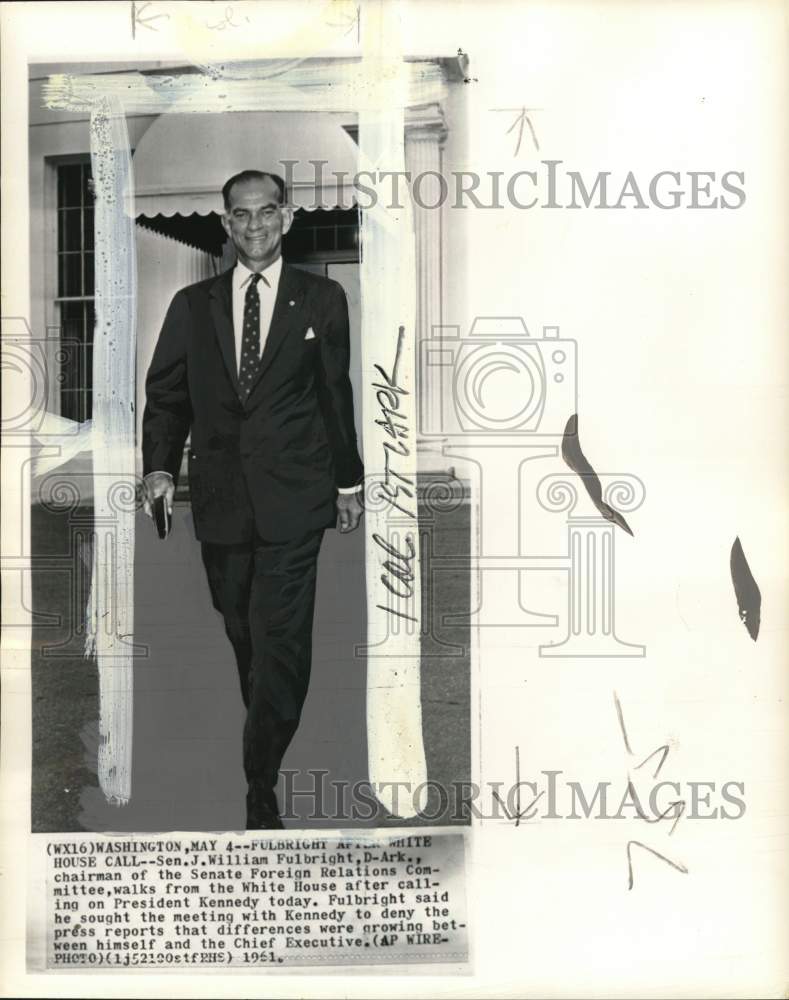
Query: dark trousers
x: 265, y: 592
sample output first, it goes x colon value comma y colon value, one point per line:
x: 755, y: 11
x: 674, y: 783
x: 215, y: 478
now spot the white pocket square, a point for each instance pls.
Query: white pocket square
x: 310, y: 334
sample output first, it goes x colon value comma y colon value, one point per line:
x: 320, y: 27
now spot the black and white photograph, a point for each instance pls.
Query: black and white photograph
x: 249, y: 581
x: 394, y: 499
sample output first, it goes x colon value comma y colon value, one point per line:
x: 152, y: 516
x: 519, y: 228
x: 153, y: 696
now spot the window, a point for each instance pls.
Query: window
x: 332, y: 232
x: 75, y: 288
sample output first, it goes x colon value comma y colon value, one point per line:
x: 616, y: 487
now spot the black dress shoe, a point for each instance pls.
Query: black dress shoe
x: 262, y: 809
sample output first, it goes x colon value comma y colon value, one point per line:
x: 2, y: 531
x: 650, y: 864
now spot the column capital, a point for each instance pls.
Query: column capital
x: 426, y: 122
x: 560, y: 491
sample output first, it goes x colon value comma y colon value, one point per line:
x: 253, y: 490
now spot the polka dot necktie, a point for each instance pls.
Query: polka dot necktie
x: 250, y: 337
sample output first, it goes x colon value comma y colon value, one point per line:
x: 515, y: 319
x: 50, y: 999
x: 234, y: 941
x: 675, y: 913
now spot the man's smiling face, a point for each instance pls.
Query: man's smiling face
x: 256, y: 221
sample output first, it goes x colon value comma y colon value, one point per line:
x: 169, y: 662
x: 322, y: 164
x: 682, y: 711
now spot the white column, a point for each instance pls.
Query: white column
x: 425, y: 132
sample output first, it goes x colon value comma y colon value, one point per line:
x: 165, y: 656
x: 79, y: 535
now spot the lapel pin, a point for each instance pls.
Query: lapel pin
x: 291, y: 303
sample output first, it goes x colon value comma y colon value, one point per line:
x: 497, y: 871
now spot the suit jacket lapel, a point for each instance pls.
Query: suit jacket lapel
x: 283, y: 319
x: 222, y: 314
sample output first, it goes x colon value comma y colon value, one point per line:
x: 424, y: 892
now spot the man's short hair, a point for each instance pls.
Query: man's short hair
x: 253, y: 175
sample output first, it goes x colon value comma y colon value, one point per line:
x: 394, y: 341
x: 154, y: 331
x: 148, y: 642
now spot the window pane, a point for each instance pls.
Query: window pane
x: 347, y: 238
x: 87, y: 361
x: 72, y: 348
x: 87, y: 196
x: 68, y: 403
x: 324, y: 238
x: 75, y: 278
x: 298, y: 242
x: 71, y: 344
x: 76, y: 333
x: 70, y: 229
x: 89, y: 274
x: 69, y: 185
x: 89, y: 228
x: 69, y: 274
x: 72, y: 312
x: 90, y: 320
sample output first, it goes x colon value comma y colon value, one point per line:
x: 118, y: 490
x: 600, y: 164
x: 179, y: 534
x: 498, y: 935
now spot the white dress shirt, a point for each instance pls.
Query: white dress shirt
x: 267, y: 290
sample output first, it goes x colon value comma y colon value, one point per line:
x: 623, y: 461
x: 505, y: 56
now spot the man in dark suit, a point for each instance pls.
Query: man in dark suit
x: 254, y: 364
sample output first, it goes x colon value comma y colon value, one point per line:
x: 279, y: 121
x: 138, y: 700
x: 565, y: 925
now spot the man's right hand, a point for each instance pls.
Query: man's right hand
x: 155, y: 485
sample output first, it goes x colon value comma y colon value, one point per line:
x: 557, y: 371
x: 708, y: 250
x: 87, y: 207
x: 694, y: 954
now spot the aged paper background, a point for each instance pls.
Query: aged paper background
x: 680, y: 318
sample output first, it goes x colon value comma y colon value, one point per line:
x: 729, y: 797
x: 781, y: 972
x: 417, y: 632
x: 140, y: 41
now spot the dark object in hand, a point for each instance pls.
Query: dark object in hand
x: 161, y: 517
